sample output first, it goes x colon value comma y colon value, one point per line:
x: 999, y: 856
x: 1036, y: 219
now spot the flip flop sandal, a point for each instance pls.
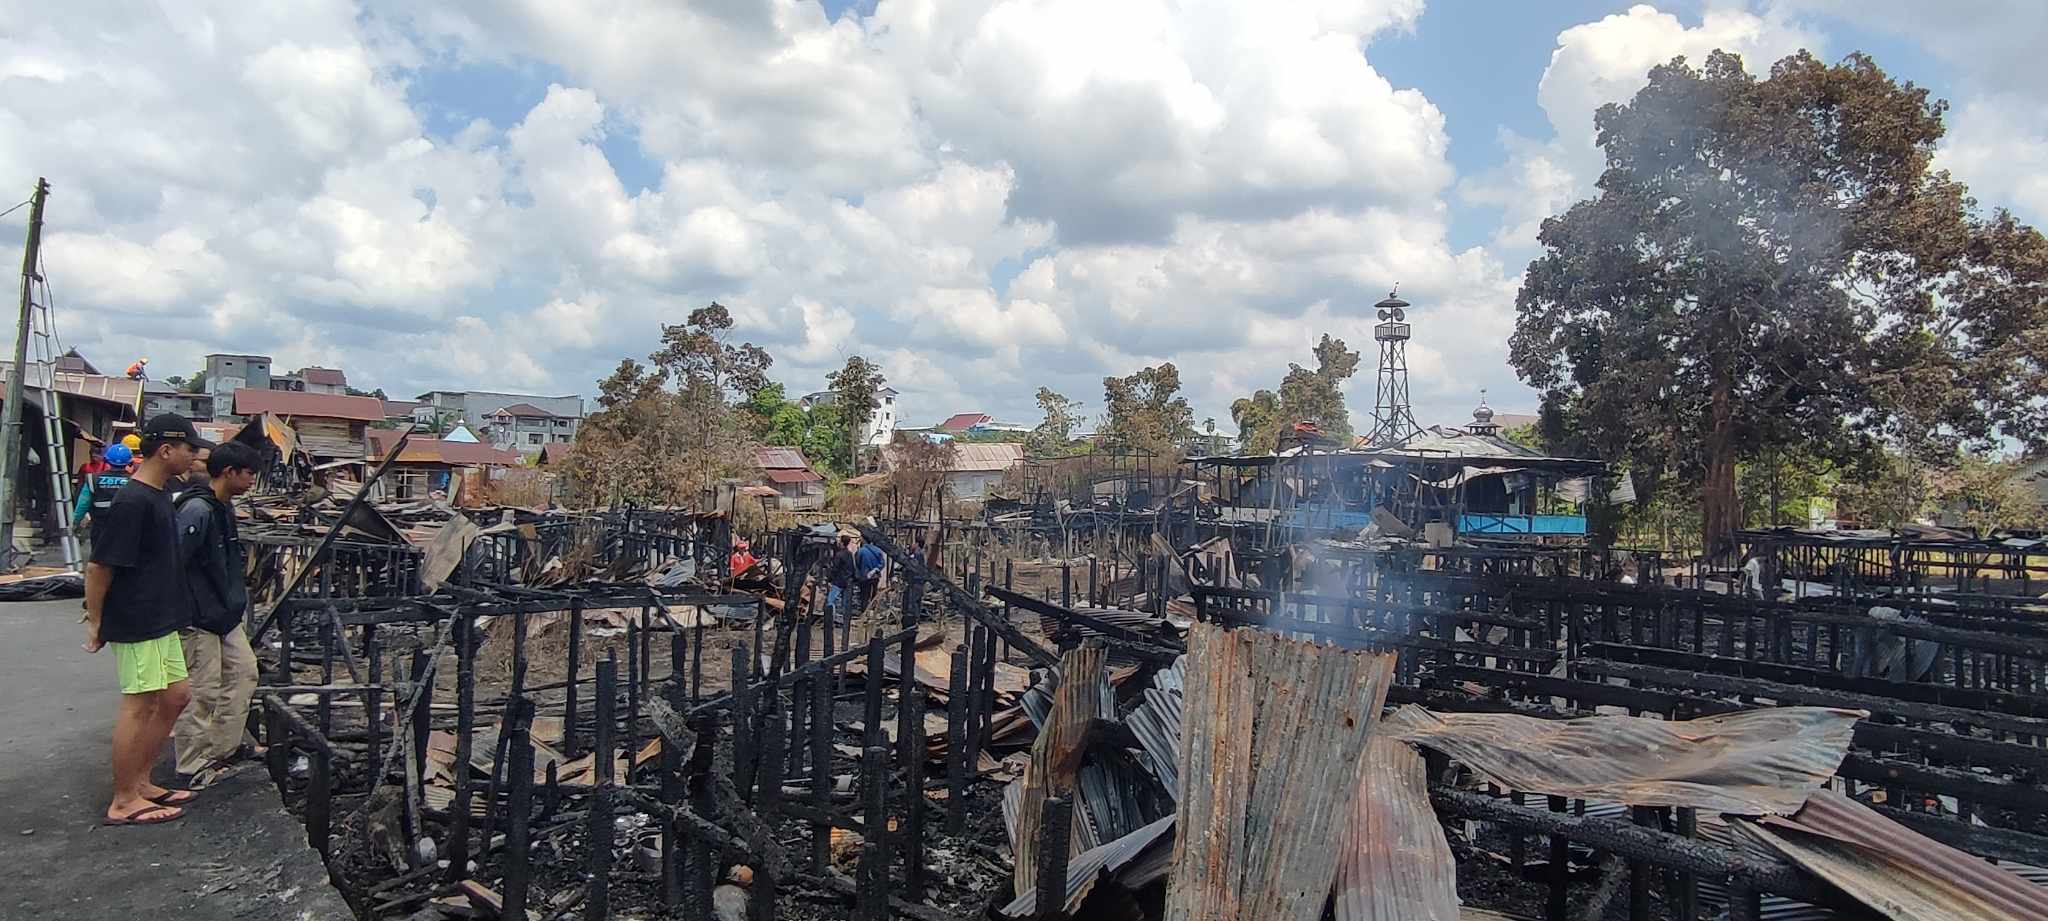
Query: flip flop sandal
x: 172, y: 797
x: 157, y: 813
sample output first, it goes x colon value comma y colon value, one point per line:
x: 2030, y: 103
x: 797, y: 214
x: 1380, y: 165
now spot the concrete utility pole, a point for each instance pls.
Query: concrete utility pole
x: 10, y: 425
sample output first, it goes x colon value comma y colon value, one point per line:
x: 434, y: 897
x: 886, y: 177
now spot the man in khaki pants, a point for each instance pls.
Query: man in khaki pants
x: 220, y: 665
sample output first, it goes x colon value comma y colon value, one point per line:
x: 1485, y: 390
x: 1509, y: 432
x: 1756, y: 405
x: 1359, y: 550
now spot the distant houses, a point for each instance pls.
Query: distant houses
x: 329, y: 427
x: 521, y: 422
x: 975, y: 470
x: 796, y: 485
x: 881, y: 427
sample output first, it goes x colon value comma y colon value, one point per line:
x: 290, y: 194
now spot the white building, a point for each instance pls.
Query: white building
x: 881, y: 427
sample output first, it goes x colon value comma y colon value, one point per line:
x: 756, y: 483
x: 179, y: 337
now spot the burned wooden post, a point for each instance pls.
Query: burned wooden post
x: 914, y: 807
x: 569, y: 746
x: 871, y: 699
x: 320, y: 799
x: 519, y: 809
x: 465, y: 729
x: 373, y: 705
x: 821, y: 769
x: 956, y: 743
x: 701, y: 873
x: 742, y: 722
x: 872, y: 896
x: 597, y: 903
x: 1055, y: 835
x: 1558, y: 870
x: 672, y: 778
x: 768, y: 802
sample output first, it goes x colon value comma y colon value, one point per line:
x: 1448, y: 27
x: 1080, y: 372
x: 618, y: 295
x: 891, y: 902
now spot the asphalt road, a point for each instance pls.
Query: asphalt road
x: 236, y: 854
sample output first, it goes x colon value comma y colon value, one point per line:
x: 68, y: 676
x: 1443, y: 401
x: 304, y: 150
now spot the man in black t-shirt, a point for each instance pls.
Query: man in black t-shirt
x: 136, y: 600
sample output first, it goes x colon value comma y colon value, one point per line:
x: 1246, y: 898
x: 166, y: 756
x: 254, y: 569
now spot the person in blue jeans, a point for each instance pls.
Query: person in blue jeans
x: 839, y: 569
x: 868, y: 563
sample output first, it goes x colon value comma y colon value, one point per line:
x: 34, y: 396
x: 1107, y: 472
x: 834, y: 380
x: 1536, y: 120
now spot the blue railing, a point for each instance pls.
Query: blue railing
x: 1487, y: 523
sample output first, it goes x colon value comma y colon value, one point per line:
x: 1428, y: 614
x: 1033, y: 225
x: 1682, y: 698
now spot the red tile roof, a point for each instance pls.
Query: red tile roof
x: 250, y: 402
x: 554, y: 452
x: 961, y: 422
x: 524, y: 409
x: 325, y: 377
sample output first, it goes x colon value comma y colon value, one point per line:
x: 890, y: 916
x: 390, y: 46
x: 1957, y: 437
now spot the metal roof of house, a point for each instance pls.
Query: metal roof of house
x: 786, y: 458
x: 524, y: 409
x: 249, y: 402
x: 75, y: 363
x: 789, y: 475
x: 420, y: 450
x: 986, y: 458
x: 325, y: 377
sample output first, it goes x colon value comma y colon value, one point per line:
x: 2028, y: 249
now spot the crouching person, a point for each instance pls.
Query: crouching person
x: 219, y: 663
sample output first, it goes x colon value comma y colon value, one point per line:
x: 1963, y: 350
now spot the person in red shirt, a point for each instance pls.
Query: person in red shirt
x: 742, y: 557
x: 96, y: 462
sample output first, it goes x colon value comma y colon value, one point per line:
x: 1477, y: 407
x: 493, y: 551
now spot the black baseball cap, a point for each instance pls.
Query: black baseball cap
x: 173, y: 427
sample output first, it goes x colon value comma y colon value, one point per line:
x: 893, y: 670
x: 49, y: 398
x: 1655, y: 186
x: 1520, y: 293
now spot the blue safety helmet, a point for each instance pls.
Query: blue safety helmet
x: 119, y: 455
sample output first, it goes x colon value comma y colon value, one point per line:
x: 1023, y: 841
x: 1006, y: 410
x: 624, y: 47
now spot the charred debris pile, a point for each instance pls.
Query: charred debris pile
x: 507, y: 714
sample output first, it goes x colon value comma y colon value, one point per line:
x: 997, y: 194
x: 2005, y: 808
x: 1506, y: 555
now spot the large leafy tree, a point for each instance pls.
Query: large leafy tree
x: 1772, y: 264
x: 1305, y: 395
x: 1056, y: 428
x: 856, y: 394
x: 1145, y: 409
x: 666, y: 431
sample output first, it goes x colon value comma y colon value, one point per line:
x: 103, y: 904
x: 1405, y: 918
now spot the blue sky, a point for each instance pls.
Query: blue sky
x: 985, y: 196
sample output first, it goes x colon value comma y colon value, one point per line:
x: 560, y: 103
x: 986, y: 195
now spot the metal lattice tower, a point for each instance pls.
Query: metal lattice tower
x: 1393, y: 419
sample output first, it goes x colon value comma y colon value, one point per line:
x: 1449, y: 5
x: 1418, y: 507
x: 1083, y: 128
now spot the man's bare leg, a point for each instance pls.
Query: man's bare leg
x: 171, y: 701
x: 134, y: 752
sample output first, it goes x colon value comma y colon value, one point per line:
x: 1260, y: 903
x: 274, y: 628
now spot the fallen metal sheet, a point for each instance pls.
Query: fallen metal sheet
x: 1108, y: 860
x: 1756, y: 762
x: 1896, y: 871
x: 1274, y: 731
x: 1156, y: 723
x: 1082, y: 695
x: 1397, y: 863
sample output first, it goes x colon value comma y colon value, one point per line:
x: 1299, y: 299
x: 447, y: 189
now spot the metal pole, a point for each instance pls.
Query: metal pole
x: 10, y: 425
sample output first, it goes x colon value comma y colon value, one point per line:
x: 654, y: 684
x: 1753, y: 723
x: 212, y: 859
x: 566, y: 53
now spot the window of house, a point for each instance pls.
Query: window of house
x: 561, y: 423
x: 533, y: 439
x: 563, y: 439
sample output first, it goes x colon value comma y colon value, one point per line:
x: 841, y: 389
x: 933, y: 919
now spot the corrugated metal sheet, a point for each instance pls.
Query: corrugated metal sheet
x: 1271, y: 725
x: 986, y: 458
x: 1105, y: 861
x: 1397, y: 863
x: 1755, y: 762
x: 785, y: 475
x: 1895, y: 870
x: 1156, y: 723
x: 250, y: 402
x: 1082, y: 694
x: 780, y: 458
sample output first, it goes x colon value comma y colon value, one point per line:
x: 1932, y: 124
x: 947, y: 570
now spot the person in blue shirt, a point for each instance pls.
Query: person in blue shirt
x: 868, y: 565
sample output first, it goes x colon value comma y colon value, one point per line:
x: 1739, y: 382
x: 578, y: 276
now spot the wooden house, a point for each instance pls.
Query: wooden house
x: 329, y: 427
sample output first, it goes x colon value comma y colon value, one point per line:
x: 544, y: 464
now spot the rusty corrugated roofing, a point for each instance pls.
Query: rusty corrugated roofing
x: 1896, y: 870
x: 1750, y: 763
x: 1082, y: 694
x: 1098, y: 863
x: 1397, y: 865
x: 1267, y: 718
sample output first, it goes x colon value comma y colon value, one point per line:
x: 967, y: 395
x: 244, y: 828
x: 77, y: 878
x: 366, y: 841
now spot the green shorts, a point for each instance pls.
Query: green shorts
x: 150, y: 665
